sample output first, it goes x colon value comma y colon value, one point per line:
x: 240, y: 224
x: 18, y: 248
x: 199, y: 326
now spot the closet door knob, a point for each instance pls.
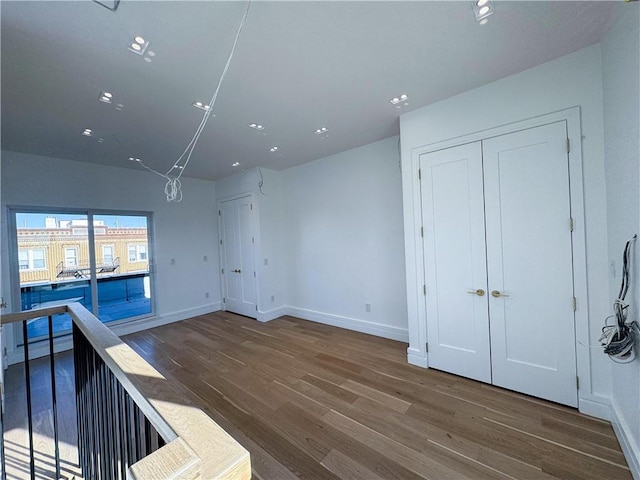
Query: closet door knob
x: 479, y: 292
x: 497, y: 294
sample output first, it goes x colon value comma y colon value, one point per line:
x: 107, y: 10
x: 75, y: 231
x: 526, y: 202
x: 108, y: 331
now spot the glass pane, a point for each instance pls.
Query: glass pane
x: 53, y: 260
x: 23, y: 259
x: 107, y: 254
x: 123, y: 279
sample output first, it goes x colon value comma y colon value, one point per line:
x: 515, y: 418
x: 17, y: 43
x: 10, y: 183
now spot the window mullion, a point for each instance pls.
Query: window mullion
x: 92, y: 265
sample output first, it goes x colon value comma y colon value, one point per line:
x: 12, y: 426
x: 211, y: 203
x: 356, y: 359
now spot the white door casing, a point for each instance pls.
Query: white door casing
x: 455, y: 261
x: 237, y: 256
x: 529, y: 258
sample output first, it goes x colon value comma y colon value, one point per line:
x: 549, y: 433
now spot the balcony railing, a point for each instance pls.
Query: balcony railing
x: 132, y: 422
x: 84, y: 270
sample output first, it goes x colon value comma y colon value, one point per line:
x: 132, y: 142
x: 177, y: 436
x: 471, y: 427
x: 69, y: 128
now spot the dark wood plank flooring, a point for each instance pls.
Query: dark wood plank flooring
x: 317, y: 402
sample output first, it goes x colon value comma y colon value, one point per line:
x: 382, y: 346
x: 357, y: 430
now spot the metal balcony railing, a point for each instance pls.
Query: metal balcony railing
x: 132, y: 423
x: 83, y: 270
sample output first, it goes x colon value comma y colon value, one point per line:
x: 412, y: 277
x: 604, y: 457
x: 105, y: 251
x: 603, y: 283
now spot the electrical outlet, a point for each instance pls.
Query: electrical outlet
x: 206, y: 294
x: 172, y: 261
x: 273, y: 298
x: 612, y: 268
x: 367, y: 307
x: 205, y: 259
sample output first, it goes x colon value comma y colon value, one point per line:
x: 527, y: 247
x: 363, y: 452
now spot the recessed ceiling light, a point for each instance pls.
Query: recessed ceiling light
x: 257, y: 126
x: 483, y: 21
x: 321, y: 130
x: 236, y: 164
x: 132, y: 159
x: 482, y: 9
x: 201, y: 106
x: 273, y: 149
x: 138, y: 45
x: 106, y: 97
x: 87, y: 132
x: 402, y: 98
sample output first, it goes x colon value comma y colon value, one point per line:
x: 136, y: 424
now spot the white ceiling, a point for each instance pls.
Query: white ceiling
x: 298, y: 66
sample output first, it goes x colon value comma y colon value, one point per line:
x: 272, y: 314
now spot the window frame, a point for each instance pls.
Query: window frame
x: 113, y: 254
x: 140, y: 249
x: 31, y: 259
x: 14, y: 271
x: 67, y: 257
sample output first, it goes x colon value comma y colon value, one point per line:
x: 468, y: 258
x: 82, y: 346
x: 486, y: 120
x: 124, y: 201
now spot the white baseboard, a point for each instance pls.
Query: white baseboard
x: 268, y: 315
x: 416, y: 357
x: 596, y: 406
x: 629, y: 445
x: 158, y: 321
x: 41, y: 349
x: 377, y: 329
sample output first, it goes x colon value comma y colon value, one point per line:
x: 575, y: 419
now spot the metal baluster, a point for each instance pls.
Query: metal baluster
x: 25, y: 336
x: 138, y: 433
x: 53, y: 398
x: 133, y: 458
x: 95, y: 417
x: 111, y: 432
x: 148, y: 435
x: 3, y: 465
x: 82, y: 364
x: 81, y: 394
x: 102, y: 413
x: 122, y: 432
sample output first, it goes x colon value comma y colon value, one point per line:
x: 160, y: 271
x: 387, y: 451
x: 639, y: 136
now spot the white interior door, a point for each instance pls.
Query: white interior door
x: 455, y: 261
x: 237, y: 242
x: 529, y: 261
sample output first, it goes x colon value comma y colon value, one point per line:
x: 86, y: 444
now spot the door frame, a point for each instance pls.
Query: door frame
x: 255, y: 227
x: 418, y: 354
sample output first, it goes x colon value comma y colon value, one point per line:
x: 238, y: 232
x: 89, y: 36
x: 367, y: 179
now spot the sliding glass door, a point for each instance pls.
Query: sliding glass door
x: 100, y: 260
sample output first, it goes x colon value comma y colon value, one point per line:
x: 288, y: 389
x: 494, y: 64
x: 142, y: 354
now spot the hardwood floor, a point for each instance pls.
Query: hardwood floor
x: 16, y: 438
x: 317, y: 402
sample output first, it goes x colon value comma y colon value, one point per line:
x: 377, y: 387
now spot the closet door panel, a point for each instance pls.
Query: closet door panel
x: 455, y: 266
x: 529, y: 261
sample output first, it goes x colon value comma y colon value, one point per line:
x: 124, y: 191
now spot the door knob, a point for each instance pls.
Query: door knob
x: 497, y: 294
x: 479, y: 292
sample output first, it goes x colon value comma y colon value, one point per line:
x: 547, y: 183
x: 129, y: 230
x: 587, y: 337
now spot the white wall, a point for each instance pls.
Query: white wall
x: 345, y: 240
x: 185, y: 231
x: 621, y: 71
x: 331, y: 233
x: 573, y: 80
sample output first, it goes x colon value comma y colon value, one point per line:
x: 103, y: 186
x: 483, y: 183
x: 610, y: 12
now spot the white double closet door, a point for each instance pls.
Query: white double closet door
x: 498, y: 262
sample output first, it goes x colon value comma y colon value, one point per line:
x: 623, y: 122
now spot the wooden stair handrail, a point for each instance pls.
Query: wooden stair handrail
x: 196, y: 446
